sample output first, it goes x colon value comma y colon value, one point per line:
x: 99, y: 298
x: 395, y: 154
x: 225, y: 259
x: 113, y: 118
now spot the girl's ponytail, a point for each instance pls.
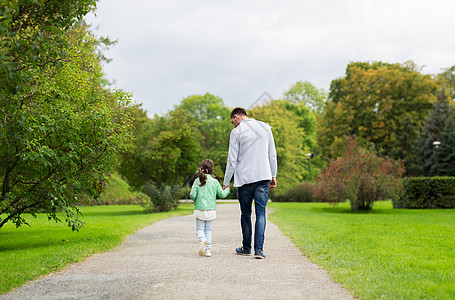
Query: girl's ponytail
x: 206, y: 167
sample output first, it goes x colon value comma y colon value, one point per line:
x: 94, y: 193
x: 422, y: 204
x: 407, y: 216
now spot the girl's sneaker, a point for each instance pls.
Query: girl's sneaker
x: 208, y: 253
x: 203, y: 246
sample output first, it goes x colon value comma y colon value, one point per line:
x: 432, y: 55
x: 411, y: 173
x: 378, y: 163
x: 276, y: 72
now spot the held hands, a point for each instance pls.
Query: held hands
x: 225, y: 187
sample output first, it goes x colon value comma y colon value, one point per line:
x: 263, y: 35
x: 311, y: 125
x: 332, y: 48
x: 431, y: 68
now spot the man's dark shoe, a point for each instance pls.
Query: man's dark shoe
x: 259, y: 255
x: 241, y: 251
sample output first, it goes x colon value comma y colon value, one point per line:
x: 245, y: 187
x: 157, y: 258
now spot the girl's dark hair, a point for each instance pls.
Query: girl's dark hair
x: 206, y: 168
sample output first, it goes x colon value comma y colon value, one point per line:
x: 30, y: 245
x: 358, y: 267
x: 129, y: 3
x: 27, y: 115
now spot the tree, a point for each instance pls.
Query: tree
x: 212, y: 119
x: 446, y: 80
x: 431, y: 131
x: 60, y: 131
x: 33, y: 34
x: 406, y: 146
x: 445, y: 154
x: 164, y: 155
x: 360, y: 176
x: 289, y: 138
x: 306, y: 93
x: 370, y: 101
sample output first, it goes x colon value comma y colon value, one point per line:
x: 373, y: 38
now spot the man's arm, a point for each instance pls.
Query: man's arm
x: 272, y: 183
x: 272, y: 156
x: 232, y: 158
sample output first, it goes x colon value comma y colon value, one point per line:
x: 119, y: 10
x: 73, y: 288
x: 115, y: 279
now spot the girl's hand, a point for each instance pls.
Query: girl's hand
x: 225, y: 187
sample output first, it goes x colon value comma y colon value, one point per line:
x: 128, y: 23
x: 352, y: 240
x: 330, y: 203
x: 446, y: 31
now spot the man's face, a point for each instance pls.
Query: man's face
x: 235, y: 120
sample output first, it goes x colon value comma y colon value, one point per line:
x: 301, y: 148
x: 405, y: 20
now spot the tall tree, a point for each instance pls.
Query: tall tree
x: 445, y: 154
x: 60, y: 130
x: 288, y: 135
x: 165, y: 153
x: 446, y: 80
x: 406, y: 146
x: 431, y: 132
x: 212, y: 119
x: 305, y: 92
x: 370, y: 101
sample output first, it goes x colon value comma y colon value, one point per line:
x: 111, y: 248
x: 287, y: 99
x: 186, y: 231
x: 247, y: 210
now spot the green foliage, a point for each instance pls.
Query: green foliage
x: 27, y: 253
x: 33, y: 35
x: 446, y: 80
x: 61, y: 133
x: 360, y: 176
x: 407, y: 146
x: 445, y: 154
x: 212, y: 119
x: 427, y: 192
x: 381, y: 254
x: 303, y: 192
x: 289, y: 143
x: 162, y: 198
x: 370, y: 101
x: 117, y: 191
x: 431, y: 131
x: 306, y: 93
x: 165, y: 153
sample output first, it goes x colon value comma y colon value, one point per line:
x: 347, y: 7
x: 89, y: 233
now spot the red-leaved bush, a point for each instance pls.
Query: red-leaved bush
x: 360, y: 176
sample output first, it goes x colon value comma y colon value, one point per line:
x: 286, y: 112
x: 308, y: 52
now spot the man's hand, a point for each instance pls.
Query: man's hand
x: 272, y: 183
x: 225, y: 187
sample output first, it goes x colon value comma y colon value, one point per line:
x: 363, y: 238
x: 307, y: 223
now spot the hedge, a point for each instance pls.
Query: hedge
x: 301, y: 193
x: 427, y: 192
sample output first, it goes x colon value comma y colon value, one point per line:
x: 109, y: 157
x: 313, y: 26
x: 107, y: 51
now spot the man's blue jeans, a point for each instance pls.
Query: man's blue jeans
x: 259, y: 191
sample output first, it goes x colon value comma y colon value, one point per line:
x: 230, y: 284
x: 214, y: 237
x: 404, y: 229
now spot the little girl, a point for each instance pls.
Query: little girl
x: 204, y: 191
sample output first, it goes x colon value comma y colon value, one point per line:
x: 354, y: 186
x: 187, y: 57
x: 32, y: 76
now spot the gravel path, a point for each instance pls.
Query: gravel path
x: 161, y: 262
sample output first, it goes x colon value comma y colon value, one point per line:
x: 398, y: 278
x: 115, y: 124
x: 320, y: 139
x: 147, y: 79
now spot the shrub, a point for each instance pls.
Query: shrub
x: 162, y: 198
x: 427, y: 192
x: 360, y: 176
x: 301, y: 193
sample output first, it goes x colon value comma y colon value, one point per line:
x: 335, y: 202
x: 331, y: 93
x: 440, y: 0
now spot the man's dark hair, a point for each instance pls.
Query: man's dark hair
x: 238, y: 111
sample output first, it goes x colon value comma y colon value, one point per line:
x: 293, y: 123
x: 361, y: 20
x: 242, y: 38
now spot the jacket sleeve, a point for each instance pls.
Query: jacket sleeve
x: 272, y: 154
x: 232, y: 157
x: 194, y: 189
x: 220, y: 192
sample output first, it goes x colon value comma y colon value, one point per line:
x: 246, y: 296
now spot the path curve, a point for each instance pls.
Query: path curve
x: 161, y: 261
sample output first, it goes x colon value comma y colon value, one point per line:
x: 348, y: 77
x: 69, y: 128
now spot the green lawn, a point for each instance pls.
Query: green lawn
x: 385, y: 253
x: 46, y: 246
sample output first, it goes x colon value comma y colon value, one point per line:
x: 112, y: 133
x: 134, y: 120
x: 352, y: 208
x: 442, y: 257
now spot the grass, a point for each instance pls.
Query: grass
x: 385, y: 253
x: 29, y: 252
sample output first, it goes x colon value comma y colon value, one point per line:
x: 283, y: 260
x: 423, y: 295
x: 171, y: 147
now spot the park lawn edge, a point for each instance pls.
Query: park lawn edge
x: 386, y: 253
x: 68, y: 247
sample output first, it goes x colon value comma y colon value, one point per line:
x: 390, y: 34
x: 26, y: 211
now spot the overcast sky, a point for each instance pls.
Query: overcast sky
x: 237, y: 49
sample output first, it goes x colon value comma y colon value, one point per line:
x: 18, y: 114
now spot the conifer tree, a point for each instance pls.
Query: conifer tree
x: 431, y: 131
x: 406, y: 146
x: 445, y: 154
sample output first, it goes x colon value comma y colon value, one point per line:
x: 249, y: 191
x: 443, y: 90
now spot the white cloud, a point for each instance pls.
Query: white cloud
x: 237, y: 49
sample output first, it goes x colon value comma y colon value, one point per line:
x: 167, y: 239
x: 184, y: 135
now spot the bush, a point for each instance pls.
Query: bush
x: 162, y: 198
x: 360, y: 176
x: 301, y: 193
x: 427, y: 192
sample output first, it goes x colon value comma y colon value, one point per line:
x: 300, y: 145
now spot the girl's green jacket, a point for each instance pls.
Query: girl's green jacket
x: 204, y: 197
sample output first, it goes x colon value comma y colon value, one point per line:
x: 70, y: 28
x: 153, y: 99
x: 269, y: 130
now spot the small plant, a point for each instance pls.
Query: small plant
x: 161, y: 197
x: 360, y: 176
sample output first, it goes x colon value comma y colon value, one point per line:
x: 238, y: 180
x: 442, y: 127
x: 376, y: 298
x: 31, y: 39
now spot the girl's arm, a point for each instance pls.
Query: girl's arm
x: 194, y: 189
x: 222, y: 193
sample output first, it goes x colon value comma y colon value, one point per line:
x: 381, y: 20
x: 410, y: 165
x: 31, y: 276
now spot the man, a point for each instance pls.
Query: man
x: 252, y: 161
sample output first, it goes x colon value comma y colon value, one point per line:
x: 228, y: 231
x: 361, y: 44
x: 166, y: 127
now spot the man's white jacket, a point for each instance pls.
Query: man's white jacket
x: 252, y: 153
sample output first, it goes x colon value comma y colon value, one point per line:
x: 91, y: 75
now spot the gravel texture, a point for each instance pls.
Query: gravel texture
x: 161, y: 261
